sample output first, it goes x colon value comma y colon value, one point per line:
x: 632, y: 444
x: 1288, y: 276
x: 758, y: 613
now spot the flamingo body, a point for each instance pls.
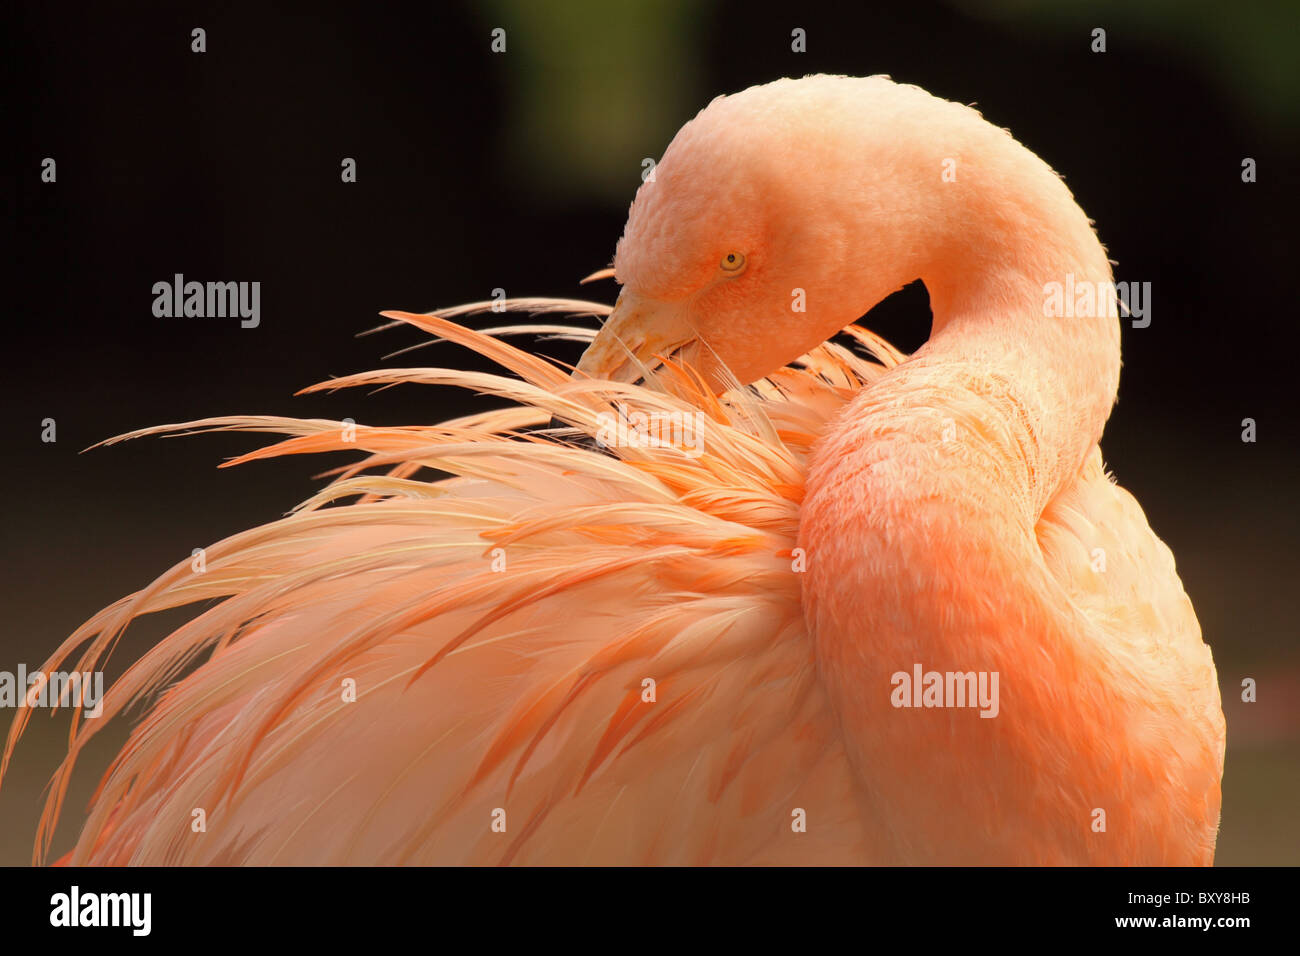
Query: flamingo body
x: 564, y: 655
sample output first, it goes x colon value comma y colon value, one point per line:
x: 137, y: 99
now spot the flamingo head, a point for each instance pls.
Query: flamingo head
x: 776, y: 217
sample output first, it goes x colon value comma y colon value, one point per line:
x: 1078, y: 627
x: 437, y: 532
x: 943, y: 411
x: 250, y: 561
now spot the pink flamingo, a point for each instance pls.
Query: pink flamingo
x: 667, y: 652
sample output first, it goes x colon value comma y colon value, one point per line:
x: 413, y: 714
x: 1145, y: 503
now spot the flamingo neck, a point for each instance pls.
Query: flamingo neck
x: 919, y: 522
x: 1010, y: 244
x: 1000, y: 243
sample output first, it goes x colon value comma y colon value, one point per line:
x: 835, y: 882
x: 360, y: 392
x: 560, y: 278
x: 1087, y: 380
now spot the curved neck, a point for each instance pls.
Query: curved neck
x: 920, y: 526
x: 1037, y: 389
x: 1010, y: 247
x: 992, y: 231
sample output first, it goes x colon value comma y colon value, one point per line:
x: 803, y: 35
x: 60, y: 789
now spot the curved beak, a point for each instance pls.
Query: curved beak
x: 636, y: 333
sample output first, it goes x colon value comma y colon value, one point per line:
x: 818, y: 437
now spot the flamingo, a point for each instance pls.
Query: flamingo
x: 492, y: 641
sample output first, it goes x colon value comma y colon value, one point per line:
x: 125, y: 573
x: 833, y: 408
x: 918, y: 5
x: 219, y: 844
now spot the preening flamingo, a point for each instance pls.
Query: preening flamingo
x: 638, y: 654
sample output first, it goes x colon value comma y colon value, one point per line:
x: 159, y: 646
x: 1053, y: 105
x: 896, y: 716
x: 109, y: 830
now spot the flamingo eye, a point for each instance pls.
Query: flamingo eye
x: 733, y: 263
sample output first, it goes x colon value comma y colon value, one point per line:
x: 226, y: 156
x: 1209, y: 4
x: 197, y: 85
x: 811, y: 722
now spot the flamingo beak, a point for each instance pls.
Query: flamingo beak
x: 636, y: 335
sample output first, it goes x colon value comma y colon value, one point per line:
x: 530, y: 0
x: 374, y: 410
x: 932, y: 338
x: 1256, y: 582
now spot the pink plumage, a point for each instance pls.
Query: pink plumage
x: 662, y: 653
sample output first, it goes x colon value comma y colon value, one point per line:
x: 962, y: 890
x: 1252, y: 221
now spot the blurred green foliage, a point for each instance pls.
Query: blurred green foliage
x: 597, y: 87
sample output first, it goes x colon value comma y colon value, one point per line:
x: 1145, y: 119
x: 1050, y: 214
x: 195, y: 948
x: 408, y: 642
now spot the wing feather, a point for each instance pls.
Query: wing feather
x: 556, y: 655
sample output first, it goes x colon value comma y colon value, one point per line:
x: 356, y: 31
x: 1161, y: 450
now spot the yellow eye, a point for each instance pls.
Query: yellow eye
x: 733, y: 262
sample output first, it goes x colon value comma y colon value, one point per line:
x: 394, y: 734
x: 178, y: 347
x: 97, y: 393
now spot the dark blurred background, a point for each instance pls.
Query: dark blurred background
x: 478, y: 170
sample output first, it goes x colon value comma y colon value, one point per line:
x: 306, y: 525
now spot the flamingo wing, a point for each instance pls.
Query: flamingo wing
x: 1099, y: 548
x: 557, y: 655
